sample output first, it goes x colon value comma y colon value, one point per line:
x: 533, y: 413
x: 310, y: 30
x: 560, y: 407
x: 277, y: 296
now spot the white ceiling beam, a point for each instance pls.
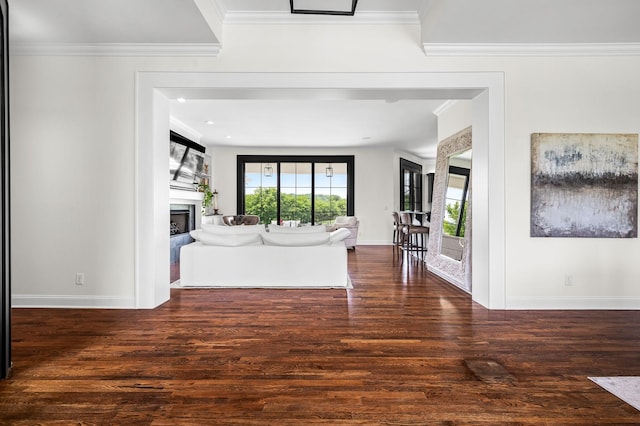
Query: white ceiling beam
x: 530, y: 27
x: 213, y: 15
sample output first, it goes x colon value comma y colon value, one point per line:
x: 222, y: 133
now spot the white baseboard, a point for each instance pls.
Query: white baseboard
x: 68, y: 301
x: 573, y: 303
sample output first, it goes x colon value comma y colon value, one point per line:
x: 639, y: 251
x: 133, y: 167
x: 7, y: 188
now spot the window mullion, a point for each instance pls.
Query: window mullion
x: 313, y: 193
x: 278, y: 198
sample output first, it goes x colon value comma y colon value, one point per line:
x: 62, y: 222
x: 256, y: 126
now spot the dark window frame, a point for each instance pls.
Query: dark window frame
x: 415, y: 194
x: 241, y: 160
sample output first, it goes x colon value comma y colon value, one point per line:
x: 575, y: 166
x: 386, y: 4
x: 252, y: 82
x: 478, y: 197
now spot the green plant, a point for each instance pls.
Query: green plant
x: 207, y: 195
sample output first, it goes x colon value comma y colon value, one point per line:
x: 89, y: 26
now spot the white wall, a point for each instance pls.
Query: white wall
x: 456, y: 116
x: 585, y: 95
x: 72, y: 190
x: 73, y: 143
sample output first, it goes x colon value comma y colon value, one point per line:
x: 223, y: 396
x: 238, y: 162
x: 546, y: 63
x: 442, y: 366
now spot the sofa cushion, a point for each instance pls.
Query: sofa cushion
x: 296, y: 230
x: 230, y: 240
x: 339, y: 235
x: 296, y: 240
x: 232, y: 230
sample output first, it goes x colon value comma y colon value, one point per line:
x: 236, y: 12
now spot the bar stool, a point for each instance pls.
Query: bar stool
x: 415, y: 237
x: 398, y: 234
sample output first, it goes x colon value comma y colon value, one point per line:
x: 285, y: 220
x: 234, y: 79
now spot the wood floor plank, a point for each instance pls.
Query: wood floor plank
x: 394, y: 350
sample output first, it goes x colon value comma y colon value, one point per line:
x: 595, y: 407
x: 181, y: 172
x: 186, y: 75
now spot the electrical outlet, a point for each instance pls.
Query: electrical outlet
x: 79, y: 278
x: 568, y: 280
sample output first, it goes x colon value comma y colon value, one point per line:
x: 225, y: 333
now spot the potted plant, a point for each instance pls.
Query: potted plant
x: 207, y: 198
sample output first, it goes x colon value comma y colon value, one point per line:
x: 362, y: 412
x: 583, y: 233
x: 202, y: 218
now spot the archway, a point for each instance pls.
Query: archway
x: 486, y: 90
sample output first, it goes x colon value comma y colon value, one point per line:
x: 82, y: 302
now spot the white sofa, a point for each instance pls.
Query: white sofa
x: 249, y: 256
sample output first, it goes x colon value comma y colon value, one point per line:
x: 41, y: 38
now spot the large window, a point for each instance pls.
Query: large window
x: 295, y: 190
x: 410, y: 186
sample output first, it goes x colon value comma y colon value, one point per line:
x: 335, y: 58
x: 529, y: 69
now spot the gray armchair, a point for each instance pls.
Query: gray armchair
x: 348, y: 222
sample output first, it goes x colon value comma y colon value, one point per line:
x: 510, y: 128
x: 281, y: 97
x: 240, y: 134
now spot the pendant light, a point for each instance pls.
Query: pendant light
x: 329, y: 171
x: 319, y: 7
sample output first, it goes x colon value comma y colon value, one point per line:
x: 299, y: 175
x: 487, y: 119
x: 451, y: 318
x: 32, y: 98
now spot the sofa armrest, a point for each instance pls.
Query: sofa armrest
x: 350, y: 241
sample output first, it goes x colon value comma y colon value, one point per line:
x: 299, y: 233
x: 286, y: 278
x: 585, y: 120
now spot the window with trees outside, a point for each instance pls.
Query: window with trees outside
x: 295, y: 190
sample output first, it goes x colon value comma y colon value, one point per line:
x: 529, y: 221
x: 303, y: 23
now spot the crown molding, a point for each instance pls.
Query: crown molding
x: 531, y: 49
x: 279, y: 18
x: 182, y: 128
x: 115, y: 49
x: 218, y: 8
x: 445, y: 106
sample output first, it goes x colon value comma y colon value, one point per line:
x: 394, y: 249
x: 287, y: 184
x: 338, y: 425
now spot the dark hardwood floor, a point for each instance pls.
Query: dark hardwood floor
x: 394, y: 350
x: 174, y: 272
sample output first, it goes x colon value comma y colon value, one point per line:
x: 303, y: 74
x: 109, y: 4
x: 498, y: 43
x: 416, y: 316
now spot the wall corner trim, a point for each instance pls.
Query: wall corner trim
x: 531, y: 49
x: 116, y: 49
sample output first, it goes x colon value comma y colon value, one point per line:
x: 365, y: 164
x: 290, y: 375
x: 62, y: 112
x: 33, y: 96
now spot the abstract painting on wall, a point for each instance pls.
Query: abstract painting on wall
x: 584, y: 185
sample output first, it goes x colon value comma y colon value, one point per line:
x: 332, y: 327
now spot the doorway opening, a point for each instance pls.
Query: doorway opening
x: 485, y: 89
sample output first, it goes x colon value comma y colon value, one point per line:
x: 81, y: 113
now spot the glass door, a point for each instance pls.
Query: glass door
x: 261, y: 191
x: 295, y: 190
x: 330, y: 191
x: 295, y: 194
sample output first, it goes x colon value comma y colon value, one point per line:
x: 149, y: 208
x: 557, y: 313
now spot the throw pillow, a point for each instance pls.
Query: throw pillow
x: 232, y: 230
x: 296, y: 230
x: 296, y: 240
x: 346, y: 220
x: 236, y: 240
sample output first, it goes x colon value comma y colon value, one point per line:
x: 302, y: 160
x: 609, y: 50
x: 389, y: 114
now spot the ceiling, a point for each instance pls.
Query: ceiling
x: 442, y: 21
x: 167, y: 21
x: 409, y: 125
x: 111, y: 21
x: 336, y: 119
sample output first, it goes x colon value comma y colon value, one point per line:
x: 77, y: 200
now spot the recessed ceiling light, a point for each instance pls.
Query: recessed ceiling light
x: 209, y: 122
x: 228, y: 136
x: 181, y: 100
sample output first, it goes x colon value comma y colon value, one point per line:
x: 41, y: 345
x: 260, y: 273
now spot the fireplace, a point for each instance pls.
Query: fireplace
x: 182, y: 218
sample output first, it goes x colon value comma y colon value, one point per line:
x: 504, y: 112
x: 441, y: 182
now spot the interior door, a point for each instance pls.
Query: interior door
x: 5, y: 326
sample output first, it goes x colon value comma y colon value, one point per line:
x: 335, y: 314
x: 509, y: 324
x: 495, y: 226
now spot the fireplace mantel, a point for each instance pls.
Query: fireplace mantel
x: 177, y: 196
